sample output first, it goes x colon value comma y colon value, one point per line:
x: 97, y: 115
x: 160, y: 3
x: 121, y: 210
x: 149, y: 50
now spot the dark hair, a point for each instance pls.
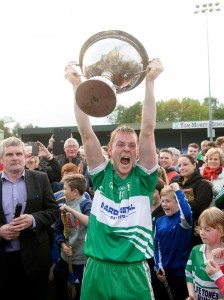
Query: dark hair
x: 212, y: 144
x: 76, y: 182
x: 194, y: 145
x: 205, y: 150
x: 166, y: 150
x: 191, y: 159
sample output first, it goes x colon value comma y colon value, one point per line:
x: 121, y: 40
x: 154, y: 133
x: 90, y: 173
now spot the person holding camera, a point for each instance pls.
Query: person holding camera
x: 42, y: 160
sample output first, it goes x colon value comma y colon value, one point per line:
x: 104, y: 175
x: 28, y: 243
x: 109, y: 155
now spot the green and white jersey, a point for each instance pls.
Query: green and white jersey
x: 120, y: 224
x: 204, y: 286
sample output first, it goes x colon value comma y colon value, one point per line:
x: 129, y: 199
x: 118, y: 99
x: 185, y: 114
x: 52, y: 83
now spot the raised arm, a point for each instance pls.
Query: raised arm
x: 147, y: 147
x: 92, y: 147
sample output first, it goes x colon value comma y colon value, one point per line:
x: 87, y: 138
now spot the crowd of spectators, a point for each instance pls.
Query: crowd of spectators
x: 117, y: 221
x: 198, y: 173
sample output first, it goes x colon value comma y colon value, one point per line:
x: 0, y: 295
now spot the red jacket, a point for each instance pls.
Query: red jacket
x: 220, y: 284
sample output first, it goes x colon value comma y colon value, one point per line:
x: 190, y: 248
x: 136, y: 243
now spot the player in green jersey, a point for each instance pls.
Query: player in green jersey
x: 120, y: 235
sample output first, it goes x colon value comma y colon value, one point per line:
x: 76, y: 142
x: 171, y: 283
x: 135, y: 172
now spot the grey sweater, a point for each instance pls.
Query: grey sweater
x: 76, y: 231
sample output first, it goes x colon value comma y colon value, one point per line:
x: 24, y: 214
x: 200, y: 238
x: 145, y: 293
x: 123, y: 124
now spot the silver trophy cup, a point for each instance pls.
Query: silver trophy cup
x: 113, y: 62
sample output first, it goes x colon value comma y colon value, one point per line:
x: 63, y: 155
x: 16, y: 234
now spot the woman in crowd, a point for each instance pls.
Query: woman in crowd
x: 197, y: 190
x: 214, y: 171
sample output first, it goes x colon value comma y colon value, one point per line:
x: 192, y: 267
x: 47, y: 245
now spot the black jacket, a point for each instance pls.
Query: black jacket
x: 199, y: 194
x: 52, y: 168
x: 34, y: 243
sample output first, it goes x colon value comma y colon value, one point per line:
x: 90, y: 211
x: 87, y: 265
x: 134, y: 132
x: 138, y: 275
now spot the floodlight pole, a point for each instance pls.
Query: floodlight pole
x: 206, y: 8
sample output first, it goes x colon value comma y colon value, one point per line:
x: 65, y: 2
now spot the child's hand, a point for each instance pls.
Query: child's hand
x: 161, y: 275
x: 64, y: 208
x: 212, y: 267
x: 218, y: 252
x: 66, y: 249
x: 175, y: 186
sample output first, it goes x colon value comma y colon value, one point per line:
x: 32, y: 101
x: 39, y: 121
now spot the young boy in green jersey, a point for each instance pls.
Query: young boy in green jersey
x: 120, y: 234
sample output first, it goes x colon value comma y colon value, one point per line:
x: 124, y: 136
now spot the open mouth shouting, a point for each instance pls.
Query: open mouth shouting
x: 125, y: 160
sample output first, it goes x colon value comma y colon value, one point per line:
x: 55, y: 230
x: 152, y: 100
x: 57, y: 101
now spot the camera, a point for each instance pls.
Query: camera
x: 60, y: 136
x: 35, y: 148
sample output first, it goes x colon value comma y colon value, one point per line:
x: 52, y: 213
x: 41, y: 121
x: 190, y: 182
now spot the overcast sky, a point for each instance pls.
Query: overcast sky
x: 39, y: 37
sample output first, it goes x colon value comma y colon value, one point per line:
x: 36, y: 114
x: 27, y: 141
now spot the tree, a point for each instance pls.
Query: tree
x: 168, y: 110
x: 217, y: 108
x: 172, y: 110
x: 6, y: 130
x: 122, y: 114
x: 191, y: 110
x: 14, y: 131
x: 161, y: 113
x: 219, y: 112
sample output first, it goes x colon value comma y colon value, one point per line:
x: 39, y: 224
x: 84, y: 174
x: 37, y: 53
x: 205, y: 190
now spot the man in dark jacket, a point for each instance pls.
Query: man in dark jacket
x: 71, y: 149
x: 25, y: 251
